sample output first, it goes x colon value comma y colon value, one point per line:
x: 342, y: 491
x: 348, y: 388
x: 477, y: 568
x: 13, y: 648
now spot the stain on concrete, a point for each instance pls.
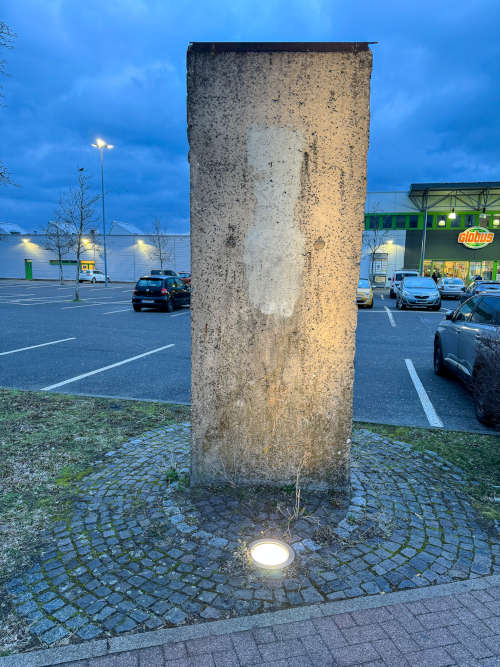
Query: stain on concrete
x: 274, y: 244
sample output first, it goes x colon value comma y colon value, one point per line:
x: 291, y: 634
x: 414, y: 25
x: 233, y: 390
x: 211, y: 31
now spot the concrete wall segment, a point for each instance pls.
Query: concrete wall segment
x: 278, y: 144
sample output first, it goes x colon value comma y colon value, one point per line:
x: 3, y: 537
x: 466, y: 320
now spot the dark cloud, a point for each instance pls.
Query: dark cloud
x: 117, y: 69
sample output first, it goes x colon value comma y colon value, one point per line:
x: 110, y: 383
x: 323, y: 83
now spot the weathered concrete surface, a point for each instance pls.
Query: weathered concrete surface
x: 278, y: 140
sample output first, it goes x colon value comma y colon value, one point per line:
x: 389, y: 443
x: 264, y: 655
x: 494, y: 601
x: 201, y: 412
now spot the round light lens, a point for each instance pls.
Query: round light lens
x: 271, y: 554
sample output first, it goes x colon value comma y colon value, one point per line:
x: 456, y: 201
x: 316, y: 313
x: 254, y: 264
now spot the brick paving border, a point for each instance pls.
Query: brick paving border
x: 447, y: 624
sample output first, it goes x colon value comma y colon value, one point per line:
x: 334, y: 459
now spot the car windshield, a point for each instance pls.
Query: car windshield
x: 420, y: 283
x: 149, y: 282
x: 363, y: 283
x: 453, y: 281
x: 481, y: 287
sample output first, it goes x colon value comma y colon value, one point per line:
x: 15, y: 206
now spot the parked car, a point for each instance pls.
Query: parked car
x: 185, y: 277
x: 480, y: 286
x: 418, y: 292
x: 163, y: 292
x: 451, y: 288
x: 162, y: 272
x: 467, y: 344
x: 396, y: 279
x: 364, y: 294
x: 92, y: 276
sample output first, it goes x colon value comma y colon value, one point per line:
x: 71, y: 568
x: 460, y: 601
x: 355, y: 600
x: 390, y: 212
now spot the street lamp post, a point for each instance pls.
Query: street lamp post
x: 101, y: 145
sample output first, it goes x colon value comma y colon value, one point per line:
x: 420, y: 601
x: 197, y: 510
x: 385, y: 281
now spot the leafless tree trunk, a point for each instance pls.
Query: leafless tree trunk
x: 374, y: 242
x: 161, y: 251
x: 76, y: 213
x: 374, y: 239
x: 59, y: 241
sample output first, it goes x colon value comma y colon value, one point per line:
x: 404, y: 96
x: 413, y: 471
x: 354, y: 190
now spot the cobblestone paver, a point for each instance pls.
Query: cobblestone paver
x: 142, y: 552
x: 461, y: 629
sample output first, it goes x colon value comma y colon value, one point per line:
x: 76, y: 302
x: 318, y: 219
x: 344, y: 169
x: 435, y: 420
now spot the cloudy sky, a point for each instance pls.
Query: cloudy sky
x: 116, y: 69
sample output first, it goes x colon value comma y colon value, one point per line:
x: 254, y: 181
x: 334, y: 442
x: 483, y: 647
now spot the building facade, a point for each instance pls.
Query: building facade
x: 130, y: 254
x: 453, y: 229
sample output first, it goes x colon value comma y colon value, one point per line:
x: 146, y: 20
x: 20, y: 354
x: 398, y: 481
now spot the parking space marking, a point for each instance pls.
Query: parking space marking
x: 89, y: 305
x: 32, y: 347
x: 430, y: 413
x: 106, y: 368
x: 179, y: 314
x: 389, y: 315
x: 123, y: 310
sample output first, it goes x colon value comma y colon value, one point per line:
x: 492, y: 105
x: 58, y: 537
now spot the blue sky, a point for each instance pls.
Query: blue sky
x: 116, y: 69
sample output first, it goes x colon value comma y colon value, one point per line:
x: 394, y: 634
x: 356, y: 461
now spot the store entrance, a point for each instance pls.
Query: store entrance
x: 483, y: 269
x: 460, y: 269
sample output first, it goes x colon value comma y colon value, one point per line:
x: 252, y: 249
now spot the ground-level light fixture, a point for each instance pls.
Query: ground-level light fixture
x: 271, y: 554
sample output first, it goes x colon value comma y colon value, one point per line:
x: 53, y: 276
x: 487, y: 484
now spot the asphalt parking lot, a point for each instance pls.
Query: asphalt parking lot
x: 99, y: 346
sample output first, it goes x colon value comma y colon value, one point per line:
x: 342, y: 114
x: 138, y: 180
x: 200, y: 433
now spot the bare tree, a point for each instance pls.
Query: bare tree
x: 6, y: 41
x: 76, y: 214
x: 374, y: 239
x: 60, y: 241
x: 161, y: 247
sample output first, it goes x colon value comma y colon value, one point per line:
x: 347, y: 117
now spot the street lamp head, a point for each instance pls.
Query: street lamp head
x: 99, y: 143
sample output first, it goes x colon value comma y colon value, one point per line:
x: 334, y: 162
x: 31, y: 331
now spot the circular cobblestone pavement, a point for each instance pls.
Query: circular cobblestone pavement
x: 142, y: 552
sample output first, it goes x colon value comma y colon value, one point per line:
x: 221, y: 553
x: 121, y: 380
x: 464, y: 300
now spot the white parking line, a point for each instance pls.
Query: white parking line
x: 123, y: 310
x: 89, y: 305
x: 430, y: 413
x: 382, y: 297
x: 389, y: 315
x: 32, y: 347
x: 179, y: 314
x: 106, y: 368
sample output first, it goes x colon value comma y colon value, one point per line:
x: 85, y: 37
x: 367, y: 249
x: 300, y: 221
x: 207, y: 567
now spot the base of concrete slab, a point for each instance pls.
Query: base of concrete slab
x: 94, y: 649
x: 142, y: 551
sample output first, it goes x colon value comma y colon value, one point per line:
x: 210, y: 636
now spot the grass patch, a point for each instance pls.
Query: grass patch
x: 48, y: 443
x: 478, y: 455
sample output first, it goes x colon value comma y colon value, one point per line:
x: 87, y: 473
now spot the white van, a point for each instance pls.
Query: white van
x: 397, y: 277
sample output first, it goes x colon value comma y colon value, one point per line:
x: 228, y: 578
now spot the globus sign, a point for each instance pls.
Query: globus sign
x: 476, y: 237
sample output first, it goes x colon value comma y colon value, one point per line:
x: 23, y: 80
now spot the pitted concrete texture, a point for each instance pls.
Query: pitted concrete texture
x: 278, y: 138
x: 141, y: 552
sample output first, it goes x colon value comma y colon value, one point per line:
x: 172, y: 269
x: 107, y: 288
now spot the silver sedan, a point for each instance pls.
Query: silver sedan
x: 451, y: 288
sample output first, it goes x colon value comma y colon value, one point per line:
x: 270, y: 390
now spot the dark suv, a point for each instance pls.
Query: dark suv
x: 467, y: 343
x: 163, y: 292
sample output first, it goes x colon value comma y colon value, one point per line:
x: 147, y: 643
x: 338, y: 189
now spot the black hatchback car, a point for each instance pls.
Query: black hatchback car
x: 163, y: 292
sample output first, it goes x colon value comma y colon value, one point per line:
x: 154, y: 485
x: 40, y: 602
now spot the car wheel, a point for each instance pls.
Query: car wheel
x: 392, y: 294
x: 483, y: 413
x: 136, y: 308
x: 93, y: 281
x: 169, y: 306
x: 439, y: 367
x: 438, y: 307
x: 370, y: 305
